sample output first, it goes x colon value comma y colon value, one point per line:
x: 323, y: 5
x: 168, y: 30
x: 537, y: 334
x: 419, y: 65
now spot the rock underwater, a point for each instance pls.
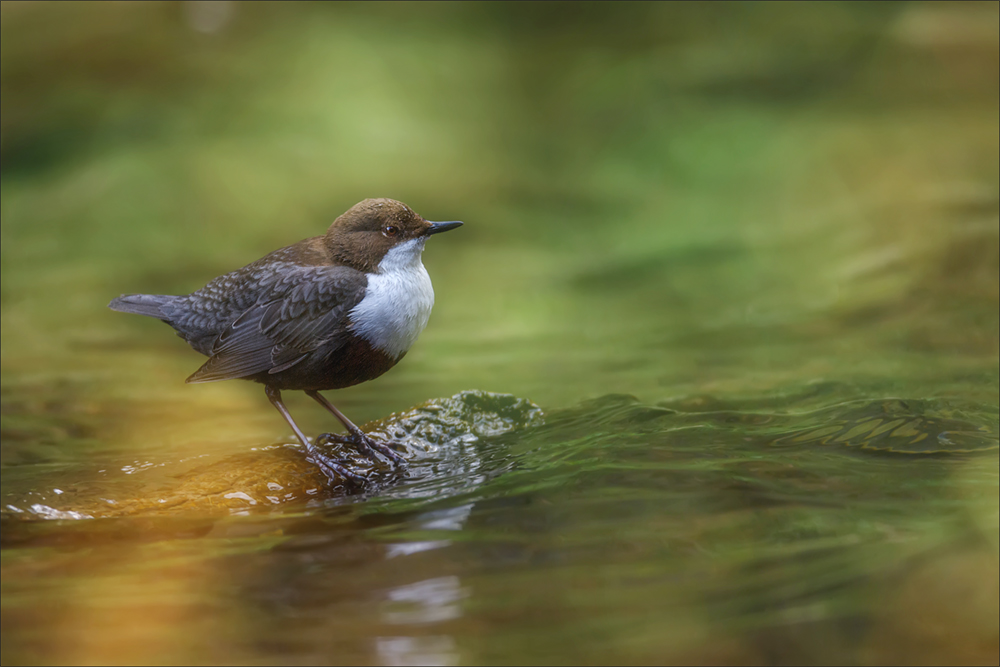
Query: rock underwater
x: 437, y: 434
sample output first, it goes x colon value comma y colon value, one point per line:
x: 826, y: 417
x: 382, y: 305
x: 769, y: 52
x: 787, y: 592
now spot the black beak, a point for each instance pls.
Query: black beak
x: 438, y: 227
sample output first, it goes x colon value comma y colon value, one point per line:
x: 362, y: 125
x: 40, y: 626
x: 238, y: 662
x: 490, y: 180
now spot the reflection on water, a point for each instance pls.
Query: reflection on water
x: 452, y: 518
x: 747, y: 263
x: 416, y: 651
x: 430, y: 601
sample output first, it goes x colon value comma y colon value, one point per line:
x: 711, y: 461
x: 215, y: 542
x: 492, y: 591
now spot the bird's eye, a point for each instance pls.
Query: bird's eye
x: 390, y: 230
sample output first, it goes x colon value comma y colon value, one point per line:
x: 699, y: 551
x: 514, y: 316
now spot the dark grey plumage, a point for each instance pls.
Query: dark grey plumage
x: 265, y: 317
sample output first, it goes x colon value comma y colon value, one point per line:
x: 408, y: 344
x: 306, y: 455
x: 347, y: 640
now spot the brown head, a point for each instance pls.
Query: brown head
x: 361, y: 237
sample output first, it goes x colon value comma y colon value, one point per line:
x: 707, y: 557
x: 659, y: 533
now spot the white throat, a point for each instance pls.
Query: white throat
x: 397, y: 302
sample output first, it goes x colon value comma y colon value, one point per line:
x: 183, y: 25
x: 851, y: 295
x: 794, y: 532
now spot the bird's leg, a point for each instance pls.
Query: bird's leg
x: 358, y: 436
x: 329, y: 467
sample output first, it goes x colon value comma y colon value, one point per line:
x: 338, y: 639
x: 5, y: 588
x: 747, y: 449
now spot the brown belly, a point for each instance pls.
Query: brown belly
x: 348, y: 365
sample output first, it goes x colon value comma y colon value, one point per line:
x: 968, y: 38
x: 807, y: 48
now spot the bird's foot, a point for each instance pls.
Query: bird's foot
x: 365, y: 444
x: 334, y: 468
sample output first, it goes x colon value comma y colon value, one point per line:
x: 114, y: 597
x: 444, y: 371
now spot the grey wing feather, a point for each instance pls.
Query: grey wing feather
x: 150, y: 305
x: 303, y: 310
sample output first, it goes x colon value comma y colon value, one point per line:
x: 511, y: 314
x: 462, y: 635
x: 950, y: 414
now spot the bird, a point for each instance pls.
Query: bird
x: 325, y: 313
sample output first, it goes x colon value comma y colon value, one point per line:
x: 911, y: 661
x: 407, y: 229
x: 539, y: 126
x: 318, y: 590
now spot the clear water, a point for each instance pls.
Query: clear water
x: 713, y: 374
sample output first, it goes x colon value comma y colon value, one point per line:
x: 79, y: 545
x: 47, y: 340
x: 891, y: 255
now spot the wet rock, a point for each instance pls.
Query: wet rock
x: 430, y: 435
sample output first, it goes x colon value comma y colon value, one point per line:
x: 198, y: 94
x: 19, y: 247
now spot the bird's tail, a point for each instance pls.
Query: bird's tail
x: 142, y: 304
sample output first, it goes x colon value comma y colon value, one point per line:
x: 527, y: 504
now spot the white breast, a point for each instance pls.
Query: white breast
x: 397, y: 302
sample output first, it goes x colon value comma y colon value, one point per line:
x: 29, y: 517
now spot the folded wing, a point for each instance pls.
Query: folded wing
x: 292, y: 317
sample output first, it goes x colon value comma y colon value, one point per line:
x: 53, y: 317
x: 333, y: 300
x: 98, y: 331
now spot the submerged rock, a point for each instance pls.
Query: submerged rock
x: 434, y: 434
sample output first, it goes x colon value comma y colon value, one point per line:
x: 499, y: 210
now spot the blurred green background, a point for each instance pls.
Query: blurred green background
x: 796, y: 184
x: 668, y: 200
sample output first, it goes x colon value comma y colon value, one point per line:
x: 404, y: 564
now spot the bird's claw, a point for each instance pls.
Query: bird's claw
x: 334, y: 468
x: 366, y: 444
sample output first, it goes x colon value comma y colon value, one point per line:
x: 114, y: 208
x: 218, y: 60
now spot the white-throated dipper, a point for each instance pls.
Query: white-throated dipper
x: 325, y: 313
